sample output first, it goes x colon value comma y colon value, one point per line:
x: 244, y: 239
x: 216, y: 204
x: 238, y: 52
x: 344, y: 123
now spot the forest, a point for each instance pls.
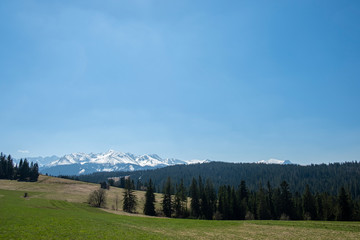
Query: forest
x: 230, y: 203
x: 322, y: 178
x: 22, y: 172
x: 226, y: 191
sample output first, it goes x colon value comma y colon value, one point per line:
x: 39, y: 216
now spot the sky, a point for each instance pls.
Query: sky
x: 235, y: 81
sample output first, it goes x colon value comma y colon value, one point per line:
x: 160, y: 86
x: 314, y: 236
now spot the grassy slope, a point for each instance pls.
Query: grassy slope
x: 56, y: 210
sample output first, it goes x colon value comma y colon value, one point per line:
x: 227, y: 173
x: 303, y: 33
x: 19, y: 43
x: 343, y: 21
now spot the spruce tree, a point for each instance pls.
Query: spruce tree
x: 285, y: 198
x: 270, y: 201
x: 263, y: 208
x: 344, y: 206
x: 2, y: 166
x: 167, y: 201
x: 309, y: 205
x: 180, y: 202
x: 10, y: 168
x: 130, y: 201
x: 211, y: 199
x: 149, y: 207
x: 195, y: 202
x: 222, y: 205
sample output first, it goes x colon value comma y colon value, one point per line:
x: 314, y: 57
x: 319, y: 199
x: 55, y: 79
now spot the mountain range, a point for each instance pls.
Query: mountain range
x: 86, y: 163
x: 275, y: 161
x: 110, y: 161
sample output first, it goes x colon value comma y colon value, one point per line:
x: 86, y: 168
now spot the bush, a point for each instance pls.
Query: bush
x: 249, y: 216
x: 97, y: 198
x: 284, y: 217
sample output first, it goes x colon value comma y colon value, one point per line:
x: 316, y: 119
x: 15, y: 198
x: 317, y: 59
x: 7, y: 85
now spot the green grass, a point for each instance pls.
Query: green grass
x: 42, y: 217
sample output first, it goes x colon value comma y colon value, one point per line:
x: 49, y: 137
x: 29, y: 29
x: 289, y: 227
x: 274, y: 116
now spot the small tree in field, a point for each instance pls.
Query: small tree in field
x: 129, y: 203
x: 97, y: 198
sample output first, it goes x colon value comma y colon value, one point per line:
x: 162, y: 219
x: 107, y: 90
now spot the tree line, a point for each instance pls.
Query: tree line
x: 202, y: 201
x: 230, y: 203
x: 320, y: 178
x: 22, y: 172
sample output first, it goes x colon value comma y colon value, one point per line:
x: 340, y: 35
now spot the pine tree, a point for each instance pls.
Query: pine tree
x: 242, y: 198
x: 24, y: 170
x: 149, y: 207
x: 286, y: 203
x: 221, y: 202
x: 35, y: 172
x: 309, y: 205
x: 2, y: 166
x: 10, y: 168
x: 180, y: 203
x: 211, y: 199
x: 263, y: 208
x: 270, y: 201
x: 167, y: 201
x: 194, y: 203
x: 130, y: 201
x: 344, y: 206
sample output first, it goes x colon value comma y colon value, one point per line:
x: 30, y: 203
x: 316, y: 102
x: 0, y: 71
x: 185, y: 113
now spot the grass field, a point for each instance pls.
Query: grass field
x: 56, y: 210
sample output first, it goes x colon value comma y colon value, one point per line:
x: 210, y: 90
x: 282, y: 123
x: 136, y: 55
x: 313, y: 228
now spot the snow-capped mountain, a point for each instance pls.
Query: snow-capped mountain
x: 275, y: 161
x: 83, y: 163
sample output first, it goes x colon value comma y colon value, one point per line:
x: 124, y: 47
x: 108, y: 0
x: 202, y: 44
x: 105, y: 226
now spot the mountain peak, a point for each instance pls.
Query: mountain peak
x: 275, y: 161
x: 85, y: 163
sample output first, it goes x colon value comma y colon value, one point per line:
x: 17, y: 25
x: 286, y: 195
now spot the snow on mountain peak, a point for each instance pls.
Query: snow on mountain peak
x: 275, y: 161
x: 81, y: 163
x: 112, y: 158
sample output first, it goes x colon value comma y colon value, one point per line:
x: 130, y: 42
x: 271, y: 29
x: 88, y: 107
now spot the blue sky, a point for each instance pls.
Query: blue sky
x: 237, y: 81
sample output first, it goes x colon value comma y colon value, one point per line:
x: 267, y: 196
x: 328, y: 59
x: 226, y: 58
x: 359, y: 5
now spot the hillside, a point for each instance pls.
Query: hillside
x: 53, y: 188
x: 55, y: 210
x: 320, y: 178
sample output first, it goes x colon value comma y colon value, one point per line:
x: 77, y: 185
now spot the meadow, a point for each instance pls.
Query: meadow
x: 57, y: 209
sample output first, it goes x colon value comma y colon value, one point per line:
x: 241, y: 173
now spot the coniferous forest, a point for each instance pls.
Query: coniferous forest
x: 266, y: 203
x: 327, y: 178
x: 22, y: 172
x: 250, y: 191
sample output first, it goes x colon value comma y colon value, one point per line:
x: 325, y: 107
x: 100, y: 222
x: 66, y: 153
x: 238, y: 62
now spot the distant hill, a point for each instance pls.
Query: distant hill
x: 321, y: 178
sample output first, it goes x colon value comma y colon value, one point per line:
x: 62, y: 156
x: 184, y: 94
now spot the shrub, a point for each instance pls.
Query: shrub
x: 97, y: 198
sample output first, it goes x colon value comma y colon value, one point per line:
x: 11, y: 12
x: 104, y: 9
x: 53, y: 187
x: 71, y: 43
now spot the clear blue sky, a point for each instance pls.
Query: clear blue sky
x: 233, y: 81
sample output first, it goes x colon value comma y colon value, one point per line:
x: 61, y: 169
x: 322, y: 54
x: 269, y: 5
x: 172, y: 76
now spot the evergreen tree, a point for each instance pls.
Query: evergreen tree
x: 309, y: 205
x: 24, y: 170
x: 243, y: 190
x: 210, y: 195
x: 286, y: 203
x: 149, y: 207
x: 195, y: 202
x: 270, y: 201
x: 180, y: 203
x: 10, y: 168
x: 228, y: 206
x: 204, y: 205
x: 344, y: 206
x: 2, y: 166
x: 242, y: 198
x: 167, y: 201
x: 222, y: 204
x: 233, y: 204
x: 263, y: 208
x: 130, y: 200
